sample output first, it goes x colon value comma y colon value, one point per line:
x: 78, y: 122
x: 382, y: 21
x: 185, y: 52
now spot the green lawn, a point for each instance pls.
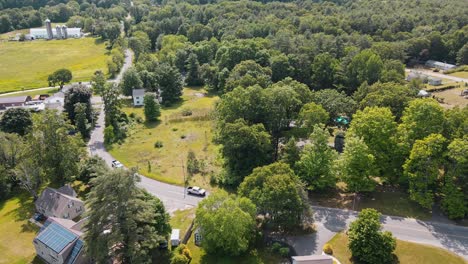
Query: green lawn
x: 17, y: 233
x: 33, y: 93
x: 178, y: 134
x: 406, y: 252
x: 461, y: 74
x: 26, y: 65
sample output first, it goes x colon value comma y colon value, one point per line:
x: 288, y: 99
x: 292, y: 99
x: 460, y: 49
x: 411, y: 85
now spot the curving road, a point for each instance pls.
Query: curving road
x: 330, y: 221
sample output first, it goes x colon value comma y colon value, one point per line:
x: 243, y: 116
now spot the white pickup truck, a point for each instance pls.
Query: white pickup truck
x: 195, y: 190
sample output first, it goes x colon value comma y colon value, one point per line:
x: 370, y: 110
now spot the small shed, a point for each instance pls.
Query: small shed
x: 423, y: 93
x: 138, y: 96
x: 175, y: 237
x: 434, y: 81
x: 312, y: 259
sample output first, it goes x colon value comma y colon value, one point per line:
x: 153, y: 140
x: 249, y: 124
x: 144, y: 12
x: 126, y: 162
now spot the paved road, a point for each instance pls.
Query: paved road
x: 438, y: 75
x: 329, y: 221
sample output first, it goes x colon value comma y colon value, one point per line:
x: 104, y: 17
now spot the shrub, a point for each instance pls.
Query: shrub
x: 132, y: 115
x: 139, y: 119
x: 284, y: 251
x: 175, y: 129
x: 186, y: 112
x: 275, y: 247
x: 158, y: 144
x: 327, y: 248
x: 179, y: 259
x: 183, y: 136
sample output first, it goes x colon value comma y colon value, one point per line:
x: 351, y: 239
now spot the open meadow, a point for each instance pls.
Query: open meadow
x: 178, y: 134
x: 26, y: 65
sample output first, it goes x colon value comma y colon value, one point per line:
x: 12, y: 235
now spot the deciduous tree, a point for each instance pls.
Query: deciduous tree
x: 16, y: 120
x: 227, y: 223
x: 367, y: 242
x: 152, y: 110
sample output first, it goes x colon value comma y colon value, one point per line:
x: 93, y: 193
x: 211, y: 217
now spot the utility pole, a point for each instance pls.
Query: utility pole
x: 183, y: 172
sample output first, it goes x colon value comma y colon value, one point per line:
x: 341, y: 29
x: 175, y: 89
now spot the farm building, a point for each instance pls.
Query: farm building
x: 60, y: 202
x: 59, y: 32
x: 439, y: 65
x: 15, y: 101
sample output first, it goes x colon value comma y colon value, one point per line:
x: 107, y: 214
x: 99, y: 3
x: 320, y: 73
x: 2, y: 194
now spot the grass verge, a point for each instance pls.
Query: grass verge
x: 406, y: 252
x: 26, y: 65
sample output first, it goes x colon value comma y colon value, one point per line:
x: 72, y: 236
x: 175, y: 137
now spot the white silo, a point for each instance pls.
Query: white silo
x: 65, y: 32
x: 48, y: 25
x: 58, y: 31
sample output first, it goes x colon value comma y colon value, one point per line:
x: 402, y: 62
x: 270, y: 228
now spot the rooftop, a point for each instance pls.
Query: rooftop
x: 56, y: 237
x: 14, y: 99
x: 138, y: 92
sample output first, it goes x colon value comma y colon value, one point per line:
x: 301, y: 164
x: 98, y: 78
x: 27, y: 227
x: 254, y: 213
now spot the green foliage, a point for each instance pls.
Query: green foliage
x: 130, y: 81
x: 334, y: 102
x: 179, y: 259
x: 248, y: 73
x: 193, y: 70
x: 60, y: 77
x: 138, y: 219
x: 377, y: 128
x: 284, y: 251
x: 16, y: 120
x: 290, y: 153
x: 227, y: 224
x: 280, y: 68
x: 357, y: 166
x: 81, y: 122
x: 78, y: 94
x: 454, y: 201
x: 312, y: 114
x: 90, y: 168
x: 367, y: 243
x: 193, y: 166
x: 278, y: 192
x: 170, y: 82
x: 392, y: 95
x: 152, y: 110
x: 158, y: 144
x: 422, y: 168
x: 324, y: 70
x: 316, y: 164
x: 366, y: 66
x: 327, y: 248
x: 98, y: 82
x: 243, y: 148
x: 54, y: 150
x: 109, y: 136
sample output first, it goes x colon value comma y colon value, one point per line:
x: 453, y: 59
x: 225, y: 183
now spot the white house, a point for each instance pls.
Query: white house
x: 138, y: 96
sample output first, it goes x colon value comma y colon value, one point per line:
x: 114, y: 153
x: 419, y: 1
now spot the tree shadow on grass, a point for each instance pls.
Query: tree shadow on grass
x: 152, y: 124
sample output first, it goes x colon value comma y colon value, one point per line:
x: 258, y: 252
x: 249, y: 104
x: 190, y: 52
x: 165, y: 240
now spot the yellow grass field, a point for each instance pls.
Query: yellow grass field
x: 26, y: 65
x: 178, y: 133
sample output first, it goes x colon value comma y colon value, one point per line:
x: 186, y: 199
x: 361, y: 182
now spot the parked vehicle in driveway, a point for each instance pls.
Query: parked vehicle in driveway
x: 195, y: 190
x: 116, y: 164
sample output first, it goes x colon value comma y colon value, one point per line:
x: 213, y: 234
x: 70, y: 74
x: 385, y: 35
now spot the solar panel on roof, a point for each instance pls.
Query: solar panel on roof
x: 56, y: 237
x: 75, y: 251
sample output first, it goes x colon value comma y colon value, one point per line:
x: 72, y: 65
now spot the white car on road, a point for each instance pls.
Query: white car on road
x: 116, y: 164
x: 195, y: 190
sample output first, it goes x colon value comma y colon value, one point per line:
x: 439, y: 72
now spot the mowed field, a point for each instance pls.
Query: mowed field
x: 26, y: 65
x: 179, y: 134
x: 16, y: 232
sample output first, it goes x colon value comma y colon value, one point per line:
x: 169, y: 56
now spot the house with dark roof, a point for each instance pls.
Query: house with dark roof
x: 60, y: 241
x: 61, y: 203
x: 14, y: 101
